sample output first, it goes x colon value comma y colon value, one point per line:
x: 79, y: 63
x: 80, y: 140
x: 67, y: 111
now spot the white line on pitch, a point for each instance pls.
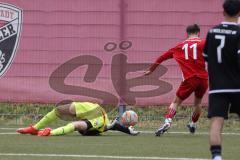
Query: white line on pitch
x: 95, y: 156
x: 7, y: 133
x: 199, y: 133
x: 147, y: 132
x: 8, y: 128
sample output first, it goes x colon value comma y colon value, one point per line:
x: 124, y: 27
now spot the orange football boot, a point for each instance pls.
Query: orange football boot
x: 28, y: 130
x: 45, y: 132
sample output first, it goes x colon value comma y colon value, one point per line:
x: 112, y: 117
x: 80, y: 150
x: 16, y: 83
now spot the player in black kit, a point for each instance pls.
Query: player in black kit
x: 222, y: 52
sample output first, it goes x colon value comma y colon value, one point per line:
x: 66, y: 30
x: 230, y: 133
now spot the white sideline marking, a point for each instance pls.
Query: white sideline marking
x: 7, y: 133
x: 8, y: 128
x: 197, y: 133
x: 147, y: 132
x: 95, y: 156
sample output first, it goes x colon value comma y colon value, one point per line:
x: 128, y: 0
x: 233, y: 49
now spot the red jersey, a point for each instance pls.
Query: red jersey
x: 189, y: 56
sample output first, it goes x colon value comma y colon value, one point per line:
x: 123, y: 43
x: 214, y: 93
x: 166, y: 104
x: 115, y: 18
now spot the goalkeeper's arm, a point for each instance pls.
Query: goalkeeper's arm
x: 115, y: 125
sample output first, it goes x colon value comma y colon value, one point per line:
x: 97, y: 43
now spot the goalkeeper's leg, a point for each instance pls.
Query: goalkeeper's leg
x: 61, y: 112
x: 47, y: 119
x: 80, y: 126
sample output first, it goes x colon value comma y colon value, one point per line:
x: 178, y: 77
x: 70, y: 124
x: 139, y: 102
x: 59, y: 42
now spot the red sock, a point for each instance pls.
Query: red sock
x: 195, y: 117
x: 170, y: 113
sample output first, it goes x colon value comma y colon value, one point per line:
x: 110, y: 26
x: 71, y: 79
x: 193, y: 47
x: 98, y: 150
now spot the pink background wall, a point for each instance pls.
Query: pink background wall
x: 55, y: 31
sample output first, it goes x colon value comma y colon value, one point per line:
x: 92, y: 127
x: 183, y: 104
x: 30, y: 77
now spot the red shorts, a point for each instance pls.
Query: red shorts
x: 194, y: 84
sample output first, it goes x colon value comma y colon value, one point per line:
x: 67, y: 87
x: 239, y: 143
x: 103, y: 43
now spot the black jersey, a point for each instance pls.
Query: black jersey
x: 222, y: 52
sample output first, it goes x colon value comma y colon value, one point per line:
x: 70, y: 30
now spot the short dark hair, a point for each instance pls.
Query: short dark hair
x: 231, y: 7
x: 192, y: 29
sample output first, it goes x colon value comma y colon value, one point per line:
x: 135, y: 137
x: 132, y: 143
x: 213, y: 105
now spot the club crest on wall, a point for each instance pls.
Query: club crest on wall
x: 10, y: 30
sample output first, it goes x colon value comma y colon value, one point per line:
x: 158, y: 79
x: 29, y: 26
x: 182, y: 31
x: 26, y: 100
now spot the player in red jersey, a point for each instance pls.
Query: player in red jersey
x: 188, y: 55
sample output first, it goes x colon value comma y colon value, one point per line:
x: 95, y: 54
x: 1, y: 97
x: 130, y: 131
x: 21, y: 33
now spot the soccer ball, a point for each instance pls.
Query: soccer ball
x: 129, y: 118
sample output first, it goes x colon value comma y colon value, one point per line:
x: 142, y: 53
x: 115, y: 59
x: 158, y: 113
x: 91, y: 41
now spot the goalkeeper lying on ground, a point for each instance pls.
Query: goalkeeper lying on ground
x: 87, y: 118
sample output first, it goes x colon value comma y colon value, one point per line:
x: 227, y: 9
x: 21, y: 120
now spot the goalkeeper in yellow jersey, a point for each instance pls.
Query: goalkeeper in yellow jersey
x: 86, y: 118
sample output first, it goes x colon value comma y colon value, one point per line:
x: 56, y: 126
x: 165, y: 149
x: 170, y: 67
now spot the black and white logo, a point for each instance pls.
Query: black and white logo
x: 10, y: 29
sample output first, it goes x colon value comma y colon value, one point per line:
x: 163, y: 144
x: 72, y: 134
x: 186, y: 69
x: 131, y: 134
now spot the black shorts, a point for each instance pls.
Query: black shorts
x: 89, y: 132
x: 220, y: 104
x: 89, y: 125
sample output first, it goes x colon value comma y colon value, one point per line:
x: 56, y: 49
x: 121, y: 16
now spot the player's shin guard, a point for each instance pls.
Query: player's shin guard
x: 47, y: 119
x: 69, y: 128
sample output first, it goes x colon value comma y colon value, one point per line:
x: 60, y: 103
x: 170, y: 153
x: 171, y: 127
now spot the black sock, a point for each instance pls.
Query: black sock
x: 216, y: 150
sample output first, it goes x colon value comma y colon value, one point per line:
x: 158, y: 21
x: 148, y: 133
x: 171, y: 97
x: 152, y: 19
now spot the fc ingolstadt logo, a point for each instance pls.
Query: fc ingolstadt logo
x: 10, y: 29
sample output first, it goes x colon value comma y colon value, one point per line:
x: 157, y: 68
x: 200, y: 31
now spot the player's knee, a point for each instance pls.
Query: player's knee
x: 80, y: 125
x: 63, y: 109
x: 57, y: 111
x: 72, y: 109
x: 197, y: 101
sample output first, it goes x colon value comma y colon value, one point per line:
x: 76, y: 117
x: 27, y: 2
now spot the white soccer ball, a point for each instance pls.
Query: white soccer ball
x: 129, y: 118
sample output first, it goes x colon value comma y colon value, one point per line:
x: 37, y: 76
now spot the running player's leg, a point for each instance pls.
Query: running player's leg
x: 235, y: 103
x: 215, y: 138
x: 195, y: 115
x: 184, y: 91
x: 201, y: 88
x: 171, y: 111
x: 217, y: 111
